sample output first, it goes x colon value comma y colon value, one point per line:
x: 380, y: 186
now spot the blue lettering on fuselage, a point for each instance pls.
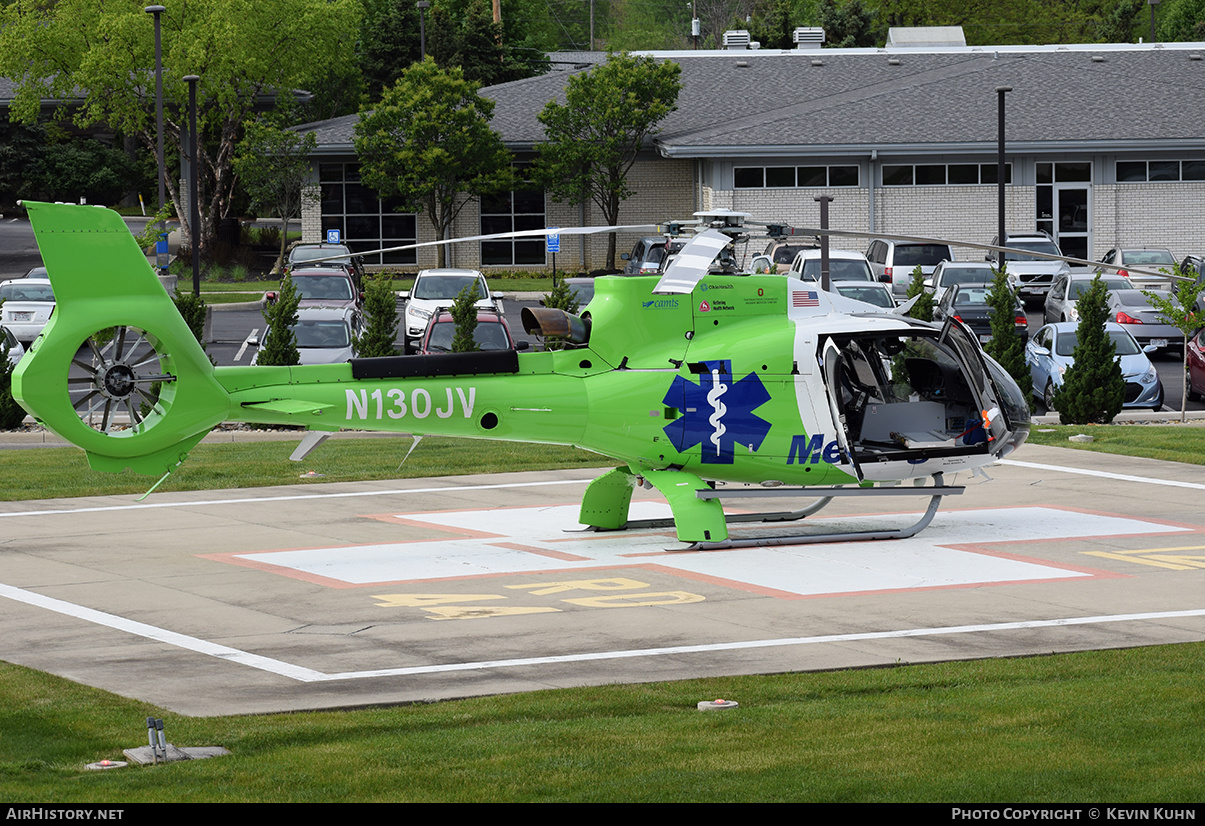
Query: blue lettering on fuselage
x: 804, y: 450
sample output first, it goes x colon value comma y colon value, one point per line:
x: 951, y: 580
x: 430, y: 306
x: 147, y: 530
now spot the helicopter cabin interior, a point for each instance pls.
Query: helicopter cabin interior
x: 902, y: 395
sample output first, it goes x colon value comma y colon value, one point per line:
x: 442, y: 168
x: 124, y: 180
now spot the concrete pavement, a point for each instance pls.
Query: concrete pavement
x: 318, y: 596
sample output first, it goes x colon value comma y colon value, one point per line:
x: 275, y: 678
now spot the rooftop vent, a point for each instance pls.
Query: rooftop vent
x: 925, y: 37
x: 807, y: 37
x: 736, y: 39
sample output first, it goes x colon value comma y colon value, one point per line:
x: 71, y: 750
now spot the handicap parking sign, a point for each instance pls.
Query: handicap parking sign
x: 333, y: 236
x: 554, y: 240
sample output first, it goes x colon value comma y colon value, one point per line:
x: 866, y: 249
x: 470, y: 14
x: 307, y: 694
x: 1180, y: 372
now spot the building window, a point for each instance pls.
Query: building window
x: 366, y: 221
x: 521, y: 209
x: 792, y: 177
x: 939, y: 174
x: 1159, y: 171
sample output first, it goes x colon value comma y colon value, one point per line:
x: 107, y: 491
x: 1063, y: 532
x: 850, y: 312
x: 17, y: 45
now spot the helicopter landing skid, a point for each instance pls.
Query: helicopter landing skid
x: 936, y: 493
x: 729, y: 518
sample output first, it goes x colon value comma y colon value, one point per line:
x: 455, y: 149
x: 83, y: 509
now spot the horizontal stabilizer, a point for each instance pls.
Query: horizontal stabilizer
x: 290, y: 407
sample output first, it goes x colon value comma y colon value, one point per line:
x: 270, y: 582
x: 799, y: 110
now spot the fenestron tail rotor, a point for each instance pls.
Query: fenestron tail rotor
x: 117, y: 381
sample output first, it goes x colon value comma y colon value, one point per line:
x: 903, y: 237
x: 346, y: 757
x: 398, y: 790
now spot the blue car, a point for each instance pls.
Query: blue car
x: 1049, y: 354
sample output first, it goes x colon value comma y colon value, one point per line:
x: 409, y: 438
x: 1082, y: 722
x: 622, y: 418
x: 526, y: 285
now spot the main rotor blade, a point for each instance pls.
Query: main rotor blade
x: 498, y: 236
x: 920, y: 239
x: 692, y: 263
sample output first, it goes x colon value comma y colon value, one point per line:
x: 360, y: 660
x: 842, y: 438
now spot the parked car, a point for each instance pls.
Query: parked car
x: 843, y: 265
x: 948, y: 273
x: 1196, y: 365
x: 650, y: 253
x: 1051, y: 351
x: 1133, y: 311
x: 1145, y: 258
x: 436, y: 289
x: 1034, y: 274
x: 325, y: 335
x: 870, y: 292
x: 783, y: 253
x: 302, y: 255
x: 28, y: 303
x: 893, y: 261
x: 491, y: 333
x: 1060, y: 304
x: 969, y: 304
x: 325, y: 287
x: 15, y: 350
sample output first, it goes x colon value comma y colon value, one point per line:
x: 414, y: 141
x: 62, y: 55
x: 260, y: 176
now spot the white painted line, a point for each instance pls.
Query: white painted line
x: 160, y: 635
x: 308, y: 675
x: 1121, y: 477
x: 296, y: 497
x: 246, y: 343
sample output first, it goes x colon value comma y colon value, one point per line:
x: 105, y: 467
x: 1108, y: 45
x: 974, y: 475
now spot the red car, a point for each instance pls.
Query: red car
x: 1196, y: 366
x: 492, y: 333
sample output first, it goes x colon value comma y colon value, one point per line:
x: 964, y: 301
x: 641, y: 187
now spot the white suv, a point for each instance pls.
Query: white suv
x: 894, y: 261
x: 434, y: 289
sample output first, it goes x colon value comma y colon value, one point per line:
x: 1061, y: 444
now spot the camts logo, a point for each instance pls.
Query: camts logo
x: 717, y: 413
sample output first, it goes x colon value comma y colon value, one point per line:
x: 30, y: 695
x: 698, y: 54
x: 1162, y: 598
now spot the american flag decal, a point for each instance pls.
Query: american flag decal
x: 804, y: 298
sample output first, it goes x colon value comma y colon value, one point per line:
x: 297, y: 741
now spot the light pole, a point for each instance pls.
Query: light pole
x: 1152, y: 4
x: 194, y: 195
x: 1001, y: 91
x: 423, y: 5
x: 161, y: 245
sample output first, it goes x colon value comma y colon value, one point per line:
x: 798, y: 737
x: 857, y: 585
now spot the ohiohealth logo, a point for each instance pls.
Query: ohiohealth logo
x: 717, y: 413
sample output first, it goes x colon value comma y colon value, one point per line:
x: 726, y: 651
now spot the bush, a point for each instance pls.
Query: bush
x: 464, y: 313
x: 1006, y: 347
x: 380, y: 305
x: 1093, y: 388
x: 280, y: 342
x: 923, y: 308
x: 11, y: 413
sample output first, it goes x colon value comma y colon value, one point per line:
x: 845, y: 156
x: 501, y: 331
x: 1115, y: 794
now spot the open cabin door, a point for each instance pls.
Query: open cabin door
x: 831, y: 357
x: 956, y: 336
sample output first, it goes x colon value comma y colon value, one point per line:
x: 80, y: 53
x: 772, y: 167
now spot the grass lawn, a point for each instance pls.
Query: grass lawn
x: 51, y: 473
x: 1172, y: 443
x: 1112, y: 726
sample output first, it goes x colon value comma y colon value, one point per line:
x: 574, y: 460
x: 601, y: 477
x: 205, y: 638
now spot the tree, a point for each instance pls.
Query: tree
x: 273, y: 165
x: 380, y: 305
x: 280, y: 342
x: 1182, y: 20
x: 429, y: 143
x: 242, y: 50
x: 464, y: 313
x: 923, y: 308
x: 595, y: 136
x: 1182, y: 310
x: 1006, y: 346
x: 1093, y: 388
x: 849, y: 24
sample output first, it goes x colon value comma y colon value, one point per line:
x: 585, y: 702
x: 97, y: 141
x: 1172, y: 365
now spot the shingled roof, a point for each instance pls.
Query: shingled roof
x: 849, y: 101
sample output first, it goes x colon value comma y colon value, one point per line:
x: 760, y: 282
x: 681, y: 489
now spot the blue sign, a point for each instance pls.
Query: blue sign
x: 333, y: 236
x: 554, y: 240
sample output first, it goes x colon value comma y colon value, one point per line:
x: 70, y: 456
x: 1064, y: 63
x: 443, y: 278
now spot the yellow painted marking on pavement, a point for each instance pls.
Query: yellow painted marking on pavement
x: 1170, y: 558
x: 482, y: 612
x: 637, y: 600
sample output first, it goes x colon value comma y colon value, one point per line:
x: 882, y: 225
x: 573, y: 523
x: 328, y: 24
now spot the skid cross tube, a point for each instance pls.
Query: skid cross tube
x: 935, y: 492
